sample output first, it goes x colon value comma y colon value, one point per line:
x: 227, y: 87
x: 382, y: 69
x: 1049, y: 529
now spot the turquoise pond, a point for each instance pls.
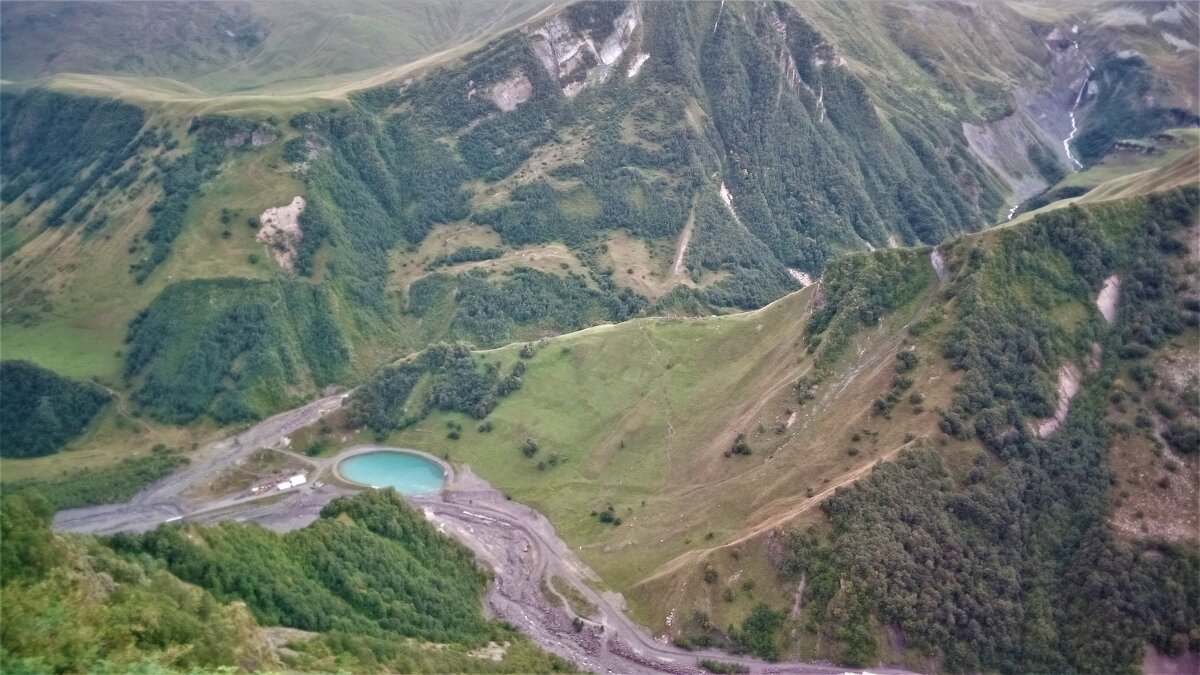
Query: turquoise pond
x: 410, y: 474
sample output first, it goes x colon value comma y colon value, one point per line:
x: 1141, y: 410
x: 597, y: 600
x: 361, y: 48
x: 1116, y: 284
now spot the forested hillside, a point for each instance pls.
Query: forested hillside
x: 40, y: 411
x: 374, y: 586
x: 1022, y: 543
x: 615, y: 160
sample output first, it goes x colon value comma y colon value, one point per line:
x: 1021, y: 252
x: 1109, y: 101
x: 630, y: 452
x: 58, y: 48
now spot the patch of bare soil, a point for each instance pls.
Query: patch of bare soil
x: 1068, y: 386
x: 490, y: 652
x: 281, y: 231
x: 510, y: 93
x: 1158, y: 494
x: 1106, y: 302
x: 804, y: 280
x: 1155, y: 662
x: 261, y: 471
x: 684, y: 240
x: 637, y: 64
x: 278, y: 638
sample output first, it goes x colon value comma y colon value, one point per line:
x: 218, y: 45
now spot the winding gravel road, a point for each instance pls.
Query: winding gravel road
x: 515, y: 541
x: 165, y: 500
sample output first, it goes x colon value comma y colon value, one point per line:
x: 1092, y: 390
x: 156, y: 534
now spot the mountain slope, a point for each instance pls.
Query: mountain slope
x: 967, y: 399
x: 237, y: 46
x: 638, y: 159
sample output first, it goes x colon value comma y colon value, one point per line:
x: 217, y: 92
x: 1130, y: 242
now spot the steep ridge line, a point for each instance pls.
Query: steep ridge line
x: 789, y: 513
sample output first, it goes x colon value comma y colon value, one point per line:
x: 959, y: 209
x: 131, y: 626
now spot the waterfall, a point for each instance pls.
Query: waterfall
x: 1074, y: 129
x: 718, y: 21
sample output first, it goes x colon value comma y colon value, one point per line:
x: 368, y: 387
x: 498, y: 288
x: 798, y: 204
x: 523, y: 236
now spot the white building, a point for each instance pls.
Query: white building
x: 294, y: 481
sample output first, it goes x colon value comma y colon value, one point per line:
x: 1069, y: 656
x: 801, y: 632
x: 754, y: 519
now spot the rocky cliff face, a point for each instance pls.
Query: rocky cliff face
x: 1055, y: 113
x: 577, y: 56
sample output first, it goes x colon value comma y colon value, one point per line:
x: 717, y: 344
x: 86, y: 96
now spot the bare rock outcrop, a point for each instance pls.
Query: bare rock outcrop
x: 510, y: 93
x: 280, y: 229
x: 1068, y: 386
x: 577, y: 58
x: 1106, y: 301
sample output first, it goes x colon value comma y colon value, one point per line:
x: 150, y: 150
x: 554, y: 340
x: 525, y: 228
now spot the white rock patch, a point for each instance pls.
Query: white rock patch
x: 1068, y: 386
x: 510, y: 93
x: 617, y: 42
x: 1178, y: 43
x: 637, y: 65
x: 281, y: 231
x: 726, y: 196
x: 939, y: 264
x: 801, y: 277
x: 1106, y: 302
x: 562, y: 51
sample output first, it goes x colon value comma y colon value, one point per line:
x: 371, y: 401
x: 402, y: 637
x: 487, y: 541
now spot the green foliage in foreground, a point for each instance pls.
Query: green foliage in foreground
x: 40, y: 411
x: 385, y: 591
x: 73, y: 605
x: 370, y: 574
x: 108, y: 485
x: 384, y: 573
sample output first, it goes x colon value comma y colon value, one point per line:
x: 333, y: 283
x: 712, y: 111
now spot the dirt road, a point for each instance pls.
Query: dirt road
x: 521, y: 548
x: 512, y: 539
x: 165, y: 500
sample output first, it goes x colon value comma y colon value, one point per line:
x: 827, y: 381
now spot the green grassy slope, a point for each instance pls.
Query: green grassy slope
x: 237, y: 46
x: 638, y: 424
x: 642, y: 415
x: 73, y: 604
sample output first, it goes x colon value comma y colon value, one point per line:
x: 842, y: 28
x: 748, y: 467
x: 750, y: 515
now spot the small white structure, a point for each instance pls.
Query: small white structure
x: 294, y: 481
